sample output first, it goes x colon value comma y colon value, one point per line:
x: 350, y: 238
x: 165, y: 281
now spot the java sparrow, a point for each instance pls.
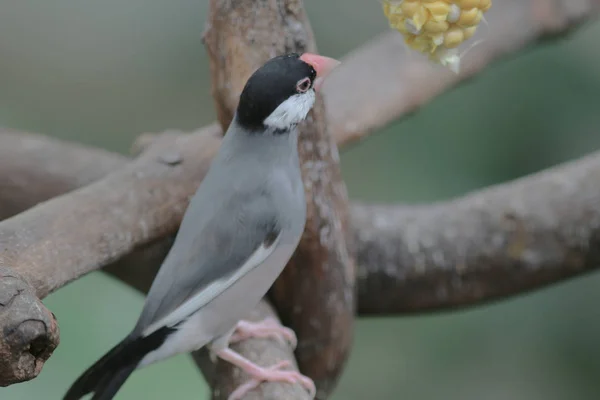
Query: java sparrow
x: 239, y: 231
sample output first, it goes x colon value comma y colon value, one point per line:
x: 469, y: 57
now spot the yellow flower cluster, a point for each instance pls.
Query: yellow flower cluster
x: 436, y: 27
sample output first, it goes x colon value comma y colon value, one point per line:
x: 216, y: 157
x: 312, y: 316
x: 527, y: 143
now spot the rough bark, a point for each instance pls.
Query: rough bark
x: 70, y: 235
x: 403, y: 86
x: 494, y: 243
x: 315, y: 293
x: 500, y: 241
x: 29, y: 331
x: 51, y: 166
x: 36, y: 171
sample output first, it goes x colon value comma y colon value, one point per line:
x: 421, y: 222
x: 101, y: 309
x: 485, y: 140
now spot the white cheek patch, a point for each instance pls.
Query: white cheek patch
x: 292, y: 111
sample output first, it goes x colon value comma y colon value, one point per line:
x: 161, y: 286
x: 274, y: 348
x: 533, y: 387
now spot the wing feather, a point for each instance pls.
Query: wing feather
x: 217, y: 244
x: 214, y: 288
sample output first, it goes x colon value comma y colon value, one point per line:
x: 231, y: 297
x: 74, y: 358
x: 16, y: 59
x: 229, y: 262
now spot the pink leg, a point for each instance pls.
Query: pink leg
x: 268, y: 327
x: 261, y: 374
x: 252, y: 384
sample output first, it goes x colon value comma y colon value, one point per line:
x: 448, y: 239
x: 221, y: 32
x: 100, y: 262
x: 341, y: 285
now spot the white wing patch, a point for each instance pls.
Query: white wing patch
x: 292, y: 111
x: 215, y: 288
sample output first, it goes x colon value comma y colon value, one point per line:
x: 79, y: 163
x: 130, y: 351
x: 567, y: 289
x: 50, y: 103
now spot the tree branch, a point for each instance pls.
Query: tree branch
x: 315, y: 293
x: 40, y: 169
x: 170, y: 171
x: 490, y: 244
x: 499, y: 241
x: 225, y: 377
x: 393, y: 81
x: 30, y: 332
x: 68, y: 236
x: 98, y: 224
x: 27, y: 344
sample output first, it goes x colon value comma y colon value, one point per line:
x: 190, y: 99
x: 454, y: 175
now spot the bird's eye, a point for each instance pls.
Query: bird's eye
x: 303, y: 85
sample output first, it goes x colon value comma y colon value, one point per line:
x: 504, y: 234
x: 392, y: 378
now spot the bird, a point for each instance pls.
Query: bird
x: 240, y: 229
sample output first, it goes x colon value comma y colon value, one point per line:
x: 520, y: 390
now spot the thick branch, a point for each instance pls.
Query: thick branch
x: 315, y: 293
x: 37, y: 171
x: 38, y: 168
x: 494, y: 243
x: 56, y: 242
x: 100, y: 223
x: 140, y: 191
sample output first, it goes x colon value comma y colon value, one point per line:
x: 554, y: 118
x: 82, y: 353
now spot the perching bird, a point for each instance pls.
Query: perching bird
x: 239, y: 231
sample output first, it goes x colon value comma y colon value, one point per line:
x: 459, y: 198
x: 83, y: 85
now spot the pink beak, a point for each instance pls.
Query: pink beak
x: 323, y: 66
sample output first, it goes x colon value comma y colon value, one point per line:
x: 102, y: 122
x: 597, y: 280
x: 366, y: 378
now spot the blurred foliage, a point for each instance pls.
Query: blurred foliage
x: 103, y: 72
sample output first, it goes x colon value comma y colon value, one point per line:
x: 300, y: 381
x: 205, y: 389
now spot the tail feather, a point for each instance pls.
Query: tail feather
x: 111, y: 386
x: 97, y: 373
x: 110, y: 372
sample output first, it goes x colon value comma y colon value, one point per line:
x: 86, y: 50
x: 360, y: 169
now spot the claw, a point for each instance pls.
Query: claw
x: 258, y: 374
x: 252, y: 384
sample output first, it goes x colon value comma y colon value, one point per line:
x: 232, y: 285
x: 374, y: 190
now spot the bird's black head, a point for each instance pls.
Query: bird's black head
x: 280, y: 94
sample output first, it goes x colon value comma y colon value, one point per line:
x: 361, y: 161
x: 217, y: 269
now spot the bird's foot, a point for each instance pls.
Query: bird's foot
x: 269, y: 327
x: 258, y: 374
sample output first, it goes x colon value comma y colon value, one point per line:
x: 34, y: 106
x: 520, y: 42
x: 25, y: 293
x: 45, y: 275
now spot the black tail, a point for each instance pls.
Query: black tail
x: 110, y: 386
x: 109, y: 373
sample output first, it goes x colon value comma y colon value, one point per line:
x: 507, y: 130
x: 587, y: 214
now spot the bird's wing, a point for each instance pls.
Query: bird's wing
x: 217, y: 244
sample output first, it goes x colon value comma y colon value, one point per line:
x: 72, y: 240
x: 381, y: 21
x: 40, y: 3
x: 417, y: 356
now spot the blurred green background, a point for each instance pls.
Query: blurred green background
x: 102, y: 72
